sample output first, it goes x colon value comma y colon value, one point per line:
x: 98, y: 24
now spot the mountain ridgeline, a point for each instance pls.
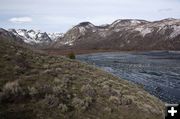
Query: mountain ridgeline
x: 124, y: 34
x: 35, y: 38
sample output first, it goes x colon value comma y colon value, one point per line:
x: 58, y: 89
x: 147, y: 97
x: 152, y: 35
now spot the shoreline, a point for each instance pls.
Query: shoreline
x: 81, y: 52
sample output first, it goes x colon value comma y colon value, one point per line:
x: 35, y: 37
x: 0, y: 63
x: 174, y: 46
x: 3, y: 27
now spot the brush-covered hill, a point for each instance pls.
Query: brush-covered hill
x: 38, y: 86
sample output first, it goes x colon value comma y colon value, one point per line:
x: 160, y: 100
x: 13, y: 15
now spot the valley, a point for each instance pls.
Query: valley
x: 134, y: 68
x: 156, y: 71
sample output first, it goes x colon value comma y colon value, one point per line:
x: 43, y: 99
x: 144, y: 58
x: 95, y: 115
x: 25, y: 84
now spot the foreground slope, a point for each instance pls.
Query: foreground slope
x: 39, y: 86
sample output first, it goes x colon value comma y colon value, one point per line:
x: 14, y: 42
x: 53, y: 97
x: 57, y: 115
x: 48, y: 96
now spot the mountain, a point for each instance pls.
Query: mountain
x: 34, y: 37
x: 124, y: 34
x: 9, y: 36
x: 55, y: 36
x: 40, y: 86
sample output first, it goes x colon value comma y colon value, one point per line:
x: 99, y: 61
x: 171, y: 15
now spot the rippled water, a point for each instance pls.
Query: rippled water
x: 157, y: 71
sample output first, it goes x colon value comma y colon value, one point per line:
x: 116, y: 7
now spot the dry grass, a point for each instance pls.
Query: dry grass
x: 38, y: 86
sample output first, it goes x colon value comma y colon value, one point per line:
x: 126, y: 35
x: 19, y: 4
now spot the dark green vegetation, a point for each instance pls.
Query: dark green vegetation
x: 37, y: 86
x: 71, y: 55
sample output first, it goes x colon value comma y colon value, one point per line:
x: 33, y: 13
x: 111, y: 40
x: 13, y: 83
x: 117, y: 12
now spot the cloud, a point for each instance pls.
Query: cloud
x: 60, y: 15
x: 20, y: 20
x: 165, y: 10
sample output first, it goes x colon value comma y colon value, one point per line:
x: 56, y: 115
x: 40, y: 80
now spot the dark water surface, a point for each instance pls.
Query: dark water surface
x: 157, y: 71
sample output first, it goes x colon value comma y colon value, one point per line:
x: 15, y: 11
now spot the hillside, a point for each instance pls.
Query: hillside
x: 36, y: 86
x: 123, y: 34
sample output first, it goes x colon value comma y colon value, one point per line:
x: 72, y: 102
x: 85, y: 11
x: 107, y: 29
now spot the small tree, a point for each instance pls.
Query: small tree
x: 71, y: 55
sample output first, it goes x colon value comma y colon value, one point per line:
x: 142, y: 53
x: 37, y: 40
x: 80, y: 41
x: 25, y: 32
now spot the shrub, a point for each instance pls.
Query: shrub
x: 71, y: 55
x: 57, y: 90
x: 63, y: 107
x: 126, y: 101
x: 82, y: 104
x: 12, y: 88
x: 12, y: 91
x: 114, y: 100
x: 50, y: 101
x: 87, y: 101
x: 77, y: 103
x: 57, y: 80
x: 44, y: 89
x: 107, y: 109
x: 32, y: 91
x: 88, y: 90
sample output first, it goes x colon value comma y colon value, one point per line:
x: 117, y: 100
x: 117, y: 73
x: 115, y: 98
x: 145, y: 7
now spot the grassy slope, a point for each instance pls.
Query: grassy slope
x: 47, y: 87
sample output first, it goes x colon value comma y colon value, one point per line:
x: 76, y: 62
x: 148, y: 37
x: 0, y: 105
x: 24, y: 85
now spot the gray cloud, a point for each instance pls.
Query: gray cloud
x: 165, y: 10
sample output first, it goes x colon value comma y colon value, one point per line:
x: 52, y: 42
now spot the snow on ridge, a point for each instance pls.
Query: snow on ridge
x: 28, y: 36
x: 176, y: 31
x: 135, y: 22
x: 102, y: 34
x: 32, y: 34
x: 21, y: 32
x: 116, y: 22
x: 124, y: 22
x: 54, y: 36
x: 35, y: 36
x: 143, y: 30
x: 70, y: 43
x: 89, y: 25
x: 82, y: 30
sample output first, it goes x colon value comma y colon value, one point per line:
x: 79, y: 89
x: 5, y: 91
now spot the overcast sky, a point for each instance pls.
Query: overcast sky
x: 60, y: 15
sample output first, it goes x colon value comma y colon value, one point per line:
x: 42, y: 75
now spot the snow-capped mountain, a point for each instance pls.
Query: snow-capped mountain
x: 73, y: 34
x: 35, y: 36
x: 124, y: 34
x: 55, y: 36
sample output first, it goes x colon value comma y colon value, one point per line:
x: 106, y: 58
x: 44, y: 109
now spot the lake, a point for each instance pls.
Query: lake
x: 157, y: 71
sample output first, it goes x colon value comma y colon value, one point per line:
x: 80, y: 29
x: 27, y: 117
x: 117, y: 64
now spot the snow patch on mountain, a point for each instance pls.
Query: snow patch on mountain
x: 32, y: 33
x: 115, y: 23
x: 35, y: 36
x: 30, y: 36
x: 126, y: 22
x: 89, y: 25
x: 55, y: 36
x: 135, y: 22
x: 82, y: 30
x: 102, y: 34
x: 143, y: 30
x: 176, y: 31
x: 68, y: 43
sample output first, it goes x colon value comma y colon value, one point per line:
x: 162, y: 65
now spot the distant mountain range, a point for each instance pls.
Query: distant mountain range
x: 123, y: 34
x: 35, y: 37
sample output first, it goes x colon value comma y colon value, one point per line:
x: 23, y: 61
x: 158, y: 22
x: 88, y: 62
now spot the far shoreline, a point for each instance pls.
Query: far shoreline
x: 65, y: 52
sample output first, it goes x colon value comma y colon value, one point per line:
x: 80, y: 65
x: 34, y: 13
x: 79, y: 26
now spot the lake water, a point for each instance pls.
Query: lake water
x: 157, y: 71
